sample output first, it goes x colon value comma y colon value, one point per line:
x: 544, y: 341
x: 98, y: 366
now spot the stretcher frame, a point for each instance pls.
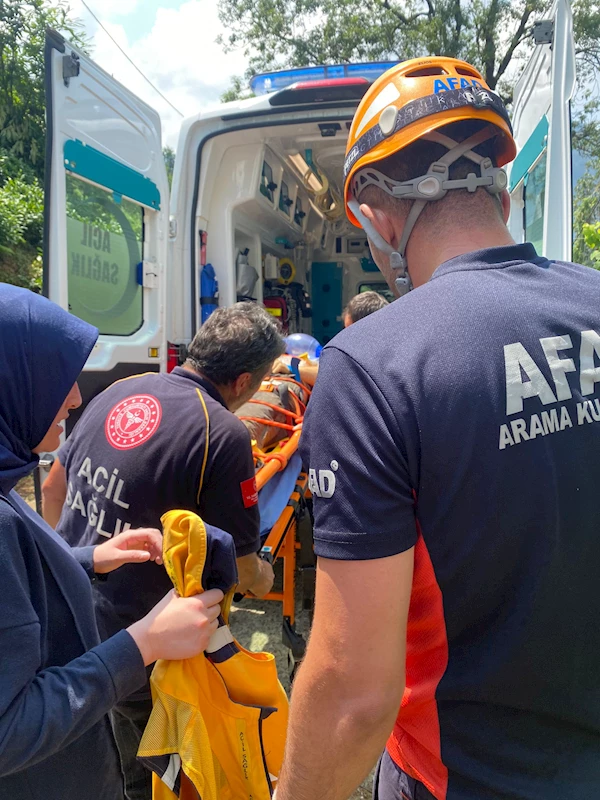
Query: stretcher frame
x: 282, y: 542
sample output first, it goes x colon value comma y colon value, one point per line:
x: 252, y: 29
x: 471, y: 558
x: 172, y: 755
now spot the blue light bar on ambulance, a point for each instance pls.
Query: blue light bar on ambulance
x: 268, y: 82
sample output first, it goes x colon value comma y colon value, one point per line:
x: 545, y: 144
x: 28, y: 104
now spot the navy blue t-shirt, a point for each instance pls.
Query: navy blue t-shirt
x: 464, y: 421
x: 138, y: 451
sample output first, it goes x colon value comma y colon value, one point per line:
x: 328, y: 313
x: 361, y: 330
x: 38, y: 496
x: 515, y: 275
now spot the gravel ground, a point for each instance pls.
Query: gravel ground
x: 256, y: 624
x: 26, y: 490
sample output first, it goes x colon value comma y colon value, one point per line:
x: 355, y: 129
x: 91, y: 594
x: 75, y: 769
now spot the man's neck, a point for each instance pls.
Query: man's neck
x: 222, y: 390
x: 426, y: 252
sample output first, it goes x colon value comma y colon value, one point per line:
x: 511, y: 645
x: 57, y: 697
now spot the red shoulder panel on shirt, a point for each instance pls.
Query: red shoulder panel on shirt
x: 249, y: 492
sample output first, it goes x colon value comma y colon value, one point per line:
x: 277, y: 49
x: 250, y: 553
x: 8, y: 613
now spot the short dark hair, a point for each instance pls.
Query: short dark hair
x: 364, y: 304
x: 414, y: 161
x: 234, y: 340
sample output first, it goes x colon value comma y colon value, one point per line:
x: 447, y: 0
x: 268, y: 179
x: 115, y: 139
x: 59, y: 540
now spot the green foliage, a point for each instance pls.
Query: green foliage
x: 491, y: 34
x: 21, y: 221
x: 23, y: 129
x: 169, y: 157
x: 22, y: 32
x: 591, y: 234
x: 21, y: 212
x: 237, y: 91
x: 586, y: 217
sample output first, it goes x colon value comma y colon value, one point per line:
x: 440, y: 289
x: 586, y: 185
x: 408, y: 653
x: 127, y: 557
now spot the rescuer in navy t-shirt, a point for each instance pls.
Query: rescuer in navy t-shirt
x: 453, y: 448
x: 157, y: 442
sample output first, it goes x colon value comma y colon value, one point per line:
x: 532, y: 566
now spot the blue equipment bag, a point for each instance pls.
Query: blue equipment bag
x: 209, y: 292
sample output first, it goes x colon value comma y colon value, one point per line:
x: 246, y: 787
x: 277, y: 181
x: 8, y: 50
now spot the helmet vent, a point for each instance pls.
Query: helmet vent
x: 423, y: 72
x: 470, y: 72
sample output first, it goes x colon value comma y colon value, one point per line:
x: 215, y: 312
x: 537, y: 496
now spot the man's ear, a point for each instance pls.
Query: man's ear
x: 505, y: 203
x: 241, y: 384
x: 382, y: 223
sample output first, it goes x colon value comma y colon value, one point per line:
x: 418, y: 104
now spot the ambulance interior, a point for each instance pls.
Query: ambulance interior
x: 272, y: 201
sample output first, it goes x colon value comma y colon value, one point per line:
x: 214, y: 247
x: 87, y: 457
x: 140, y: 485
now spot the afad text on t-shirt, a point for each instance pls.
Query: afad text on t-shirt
x: 524, y: 379
x: 108, y: 497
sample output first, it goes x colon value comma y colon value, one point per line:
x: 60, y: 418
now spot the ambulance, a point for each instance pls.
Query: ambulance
x: 255, y: 210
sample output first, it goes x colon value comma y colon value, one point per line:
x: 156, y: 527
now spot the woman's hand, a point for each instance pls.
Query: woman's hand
x: 178, y: 627
x: 130, y: 547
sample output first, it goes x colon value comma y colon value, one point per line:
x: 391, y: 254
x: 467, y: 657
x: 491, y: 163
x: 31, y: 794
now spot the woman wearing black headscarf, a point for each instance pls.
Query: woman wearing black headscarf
x: 57, y: 681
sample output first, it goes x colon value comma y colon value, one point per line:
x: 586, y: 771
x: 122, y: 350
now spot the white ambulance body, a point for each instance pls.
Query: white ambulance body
x: 257, y: 184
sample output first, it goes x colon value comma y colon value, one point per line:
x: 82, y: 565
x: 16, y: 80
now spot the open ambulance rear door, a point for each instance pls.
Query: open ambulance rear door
x: 540, y: 180
x: 106, y: 206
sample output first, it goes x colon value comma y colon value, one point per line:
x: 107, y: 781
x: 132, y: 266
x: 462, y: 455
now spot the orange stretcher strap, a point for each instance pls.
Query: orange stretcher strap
x: 278, y: 461
x: 281, y: 410
x: 269, y: 422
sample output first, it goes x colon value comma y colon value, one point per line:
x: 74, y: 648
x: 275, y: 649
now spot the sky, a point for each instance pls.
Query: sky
x: 173, y: 42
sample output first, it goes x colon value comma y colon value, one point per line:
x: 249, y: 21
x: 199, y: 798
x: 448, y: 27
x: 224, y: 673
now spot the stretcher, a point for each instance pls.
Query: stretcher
x: 283, y: 496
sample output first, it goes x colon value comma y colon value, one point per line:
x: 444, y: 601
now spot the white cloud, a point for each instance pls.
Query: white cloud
x: 108, y: 9
x: 180, y: 56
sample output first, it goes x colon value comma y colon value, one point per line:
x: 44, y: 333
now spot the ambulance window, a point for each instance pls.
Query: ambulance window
x: 104, y: 246
x: 266, y: 182
x: 298, y: 212
x: 284, y: 199
x: 534, y: 195
x: 381, y: 288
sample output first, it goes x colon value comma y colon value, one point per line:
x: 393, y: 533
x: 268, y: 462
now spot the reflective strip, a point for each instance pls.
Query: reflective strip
x: 219, y: 639
x: 385, y: 98
x: 172, y: 772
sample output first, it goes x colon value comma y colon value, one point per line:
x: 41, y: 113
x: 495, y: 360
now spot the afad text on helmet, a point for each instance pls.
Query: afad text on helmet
x: 449, y: 83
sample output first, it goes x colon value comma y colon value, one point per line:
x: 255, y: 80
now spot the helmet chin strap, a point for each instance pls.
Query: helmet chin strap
x: 433, y: 186
x: 402, y: 282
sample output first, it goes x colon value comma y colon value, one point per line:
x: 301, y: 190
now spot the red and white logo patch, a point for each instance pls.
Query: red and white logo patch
x: 249, y: 492
x: 133, y: 421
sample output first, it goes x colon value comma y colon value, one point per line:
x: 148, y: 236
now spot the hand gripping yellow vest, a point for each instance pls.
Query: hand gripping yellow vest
x: 218, y: 723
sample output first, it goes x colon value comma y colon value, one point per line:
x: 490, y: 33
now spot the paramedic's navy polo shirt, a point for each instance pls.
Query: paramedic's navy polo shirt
x: 464, y: 421
x: 137, y: 452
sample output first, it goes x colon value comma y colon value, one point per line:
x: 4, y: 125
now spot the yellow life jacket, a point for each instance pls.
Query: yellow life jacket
x: 218, y: 723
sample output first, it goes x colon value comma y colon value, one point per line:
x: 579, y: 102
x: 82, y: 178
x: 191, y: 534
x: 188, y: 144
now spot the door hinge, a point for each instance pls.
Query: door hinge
x: 172, y: 228
x: 70, y: 67
x: 149, y: 275
x: 543, y: 31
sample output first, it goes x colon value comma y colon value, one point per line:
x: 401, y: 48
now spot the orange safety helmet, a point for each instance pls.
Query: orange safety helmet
x: 414, y: 99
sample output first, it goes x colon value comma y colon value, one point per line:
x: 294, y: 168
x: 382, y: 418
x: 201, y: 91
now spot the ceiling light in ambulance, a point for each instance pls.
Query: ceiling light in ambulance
x: 308, y: 176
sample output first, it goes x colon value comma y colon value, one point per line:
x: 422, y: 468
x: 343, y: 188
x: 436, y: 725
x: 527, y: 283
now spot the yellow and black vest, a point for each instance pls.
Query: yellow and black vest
x: 218, y: 723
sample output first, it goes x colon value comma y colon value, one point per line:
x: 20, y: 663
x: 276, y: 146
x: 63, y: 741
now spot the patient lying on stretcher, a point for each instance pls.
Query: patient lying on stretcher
x: 275, y: 410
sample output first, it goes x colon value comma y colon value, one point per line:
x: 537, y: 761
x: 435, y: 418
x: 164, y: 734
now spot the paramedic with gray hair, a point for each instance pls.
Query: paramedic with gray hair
x: 156, y: 442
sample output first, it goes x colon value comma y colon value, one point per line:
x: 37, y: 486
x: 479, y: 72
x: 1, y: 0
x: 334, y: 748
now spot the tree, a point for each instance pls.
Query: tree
x: 493, y: 35
x: 586, y: 216
x: 23, y: 129
x: 22, y: 32
x: 237, y: 91
x: 169, y: 157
